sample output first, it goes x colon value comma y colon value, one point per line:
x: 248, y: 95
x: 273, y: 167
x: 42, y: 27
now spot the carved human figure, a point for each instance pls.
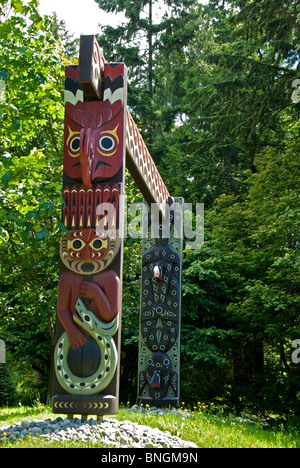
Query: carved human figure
x: 101, y: 291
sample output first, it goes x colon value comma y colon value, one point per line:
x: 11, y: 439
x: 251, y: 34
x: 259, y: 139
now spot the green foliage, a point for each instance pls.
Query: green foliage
x: 237, y: 89
x: 246, y: 292
x: 31, y: 65
x: 151, y: 45
x: 30, y: 181
x: 7, y: 387
x: 210, y: 89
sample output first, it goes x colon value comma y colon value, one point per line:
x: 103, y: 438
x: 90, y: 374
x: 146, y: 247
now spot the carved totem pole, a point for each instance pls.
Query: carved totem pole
x: 86, y: 357
x: 159, y: 344
x: 101, y: 138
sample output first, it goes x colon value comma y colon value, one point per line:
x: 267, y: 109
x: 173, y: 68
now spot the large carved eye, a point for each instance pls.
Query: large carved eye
x: 108, y: 143
x: 76, y: 244
x: 98, y: 244
x: 73, y: 142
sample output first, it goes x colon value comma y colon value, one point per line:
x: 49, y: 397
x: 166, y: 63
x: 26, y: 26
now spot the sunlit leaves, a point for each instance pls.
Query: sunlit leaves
x: 31, y: 144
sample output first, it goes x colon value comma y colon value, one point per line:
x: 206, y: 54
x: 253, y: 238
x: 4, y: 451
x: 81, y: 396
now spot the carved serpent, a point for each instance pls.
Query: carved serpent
x: 103, y: 334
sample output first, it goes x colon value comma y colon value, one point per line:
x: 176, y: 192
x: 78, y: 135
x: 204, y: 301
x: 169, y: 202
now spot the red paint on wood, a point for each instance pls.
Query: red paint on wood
x: 94, y: 139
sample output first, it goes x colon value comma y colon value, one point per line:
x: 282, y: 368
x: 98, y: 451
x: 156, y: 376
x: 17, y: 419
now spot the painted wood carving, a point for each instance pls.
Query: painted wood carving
x: 159, y: 348
x: 142, y: 167
x: 86, y: 357
x: 100, y: 140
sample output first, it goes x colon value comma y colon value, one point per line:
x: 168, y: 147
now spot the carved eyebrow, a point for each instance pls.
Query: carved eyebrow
x: 113, y: 132
x: 71, y: 133
x: 111, y: 118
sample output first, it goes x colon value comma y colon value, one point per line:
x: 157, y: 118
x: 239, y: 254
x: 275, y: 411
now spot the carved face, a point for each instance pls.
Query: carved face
x: 94, y: 132
x: 159, y: 375
x: 159, y: 328
x: 88, y: 251
x: 160, y: 300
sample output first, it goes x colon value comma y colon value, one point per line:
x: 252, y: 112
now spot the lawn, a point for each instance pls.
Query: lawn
x: 206, y: 426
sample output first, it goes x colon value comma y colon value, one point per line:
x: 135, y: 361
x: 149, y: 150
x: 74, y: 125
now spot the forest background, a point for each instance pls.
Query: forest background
x: 215, y: 94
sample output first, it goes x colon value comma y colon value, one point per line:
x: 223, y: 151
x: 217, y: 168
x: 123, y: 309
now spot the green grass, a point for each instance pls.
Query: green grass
x: 208, y: 427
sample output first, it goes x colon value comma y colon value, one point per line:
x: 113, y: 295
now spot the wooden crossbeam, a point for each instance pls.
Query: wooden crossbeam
x: 138, y: 159
x: 142, y: 167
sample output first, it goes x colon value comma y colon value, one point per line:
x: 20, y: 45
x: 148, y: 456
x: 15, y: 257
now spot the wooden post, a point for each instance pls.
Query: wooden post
x: 87, y: 354
x: 100, y: 139
x: 160, y: 319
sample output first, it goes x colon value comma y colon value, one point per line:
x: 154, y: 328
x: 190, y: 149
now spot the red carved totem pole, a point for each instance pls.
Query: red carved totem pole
x: 86, y: 357
x: 101, y: 138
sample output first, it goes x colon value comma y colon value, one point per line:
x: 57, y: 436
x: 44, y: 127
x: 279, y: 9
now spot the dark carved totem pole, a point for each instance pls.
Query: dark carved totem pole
x: 86, y: 357
x: 101, y: 139
x: 159, y: 348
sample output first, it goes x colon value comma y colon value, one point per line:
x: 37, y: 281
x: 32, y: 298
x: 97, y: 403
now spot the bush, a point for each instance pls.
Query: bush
x: 7, y: 387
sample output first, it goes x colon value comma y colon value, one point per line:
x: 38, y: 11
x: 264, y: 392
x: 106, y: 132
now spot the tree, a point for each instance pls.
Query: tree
x: 145, y: 43
x: 241, y: 291
x: 62, y: 35
x: 7, y: 388
x: 256, y: 239
x: 238, y: 87
x: 275, y: 24
x: 30, y: 180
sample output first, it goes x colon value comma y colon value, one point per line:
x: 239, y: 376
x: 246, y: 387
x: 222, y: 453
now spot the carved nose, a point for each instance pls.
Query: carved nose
x: 157, y: 273
x: 86, y: 156
x: 155, y: 381
x: 85, y: 253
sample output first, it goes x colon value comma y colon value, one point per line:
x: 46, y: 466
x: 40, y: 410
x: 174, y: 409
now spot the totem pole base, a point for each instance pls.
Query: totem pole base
x: 164, y: 402
x: 83, y: 404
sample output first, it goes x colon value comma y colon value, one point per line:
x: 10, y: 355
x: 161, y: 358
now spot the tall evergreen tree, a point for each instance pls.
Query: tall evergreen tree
x: 272, y: 22
x: 238, y: 90
x: 145, y: 41
x: 237, y: 152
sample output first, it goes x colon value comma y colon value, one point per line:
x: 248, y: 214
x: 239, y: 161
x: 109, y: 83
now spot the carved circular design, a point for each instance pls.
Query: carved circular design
x: 100, y: 379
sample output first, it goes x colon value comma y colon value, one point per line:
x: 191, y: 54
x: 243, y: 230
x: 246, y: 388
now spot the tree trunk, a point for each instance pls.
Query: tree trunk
x: 150, y: 46
x: 150, y: 68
